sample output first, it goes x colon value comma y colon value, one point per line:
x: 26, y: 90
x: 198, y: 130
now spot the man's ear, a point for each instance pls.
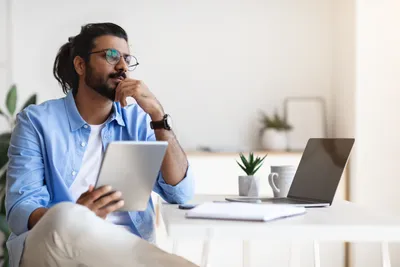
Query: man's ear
x: 79, y: 65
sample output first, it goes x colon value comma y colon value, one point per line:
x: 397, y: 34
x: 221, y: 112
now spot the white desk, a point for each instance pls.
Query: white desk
x: 343, y: 221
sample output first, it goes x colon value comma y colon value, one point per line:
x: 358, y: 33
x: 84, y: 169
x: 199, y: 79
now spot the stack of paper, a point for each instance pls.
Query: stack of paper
x: 243, y: 211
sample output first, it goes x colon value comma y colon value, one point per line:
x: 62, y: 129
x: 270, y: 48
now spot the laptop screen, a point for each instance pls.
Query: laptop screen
x: 320, y: 169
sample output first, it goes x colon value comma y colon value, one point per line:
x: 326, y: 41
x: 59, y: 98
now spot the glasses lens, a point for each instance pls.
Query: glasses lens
x: 112, y: 56
x: 132, y: 62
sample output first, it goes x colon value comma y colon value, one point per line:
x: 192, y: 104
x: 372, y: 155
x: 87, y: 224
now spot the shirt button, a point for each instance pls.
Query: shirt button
x: 83, y: 144
x: 73, y: 173
x: 85, y: 126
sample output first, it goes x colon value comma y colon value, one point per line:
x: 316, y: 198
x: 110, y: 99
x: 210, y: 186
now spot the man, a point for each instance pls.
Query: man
x: 56, y: 216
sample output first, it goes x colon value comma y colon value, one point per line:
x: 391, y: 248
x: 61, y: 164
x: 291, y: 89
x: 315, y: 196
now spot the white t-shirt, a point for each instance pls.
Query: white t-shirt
x: 89, y: 171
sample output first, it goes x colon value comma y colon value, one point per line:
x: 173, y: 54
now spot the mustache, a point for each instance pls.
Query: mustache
x: 118, y: 74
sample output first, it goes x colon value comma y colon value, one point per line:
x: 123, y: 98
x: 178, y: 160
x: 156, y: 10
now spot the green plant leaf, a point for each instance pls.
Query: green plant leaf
x: 4, y: 225
x: 244, y: 160
x: 256, y: 169
x: 243, y: 168
x: 3, y: 180
x: 252, y: 163
x: 5, y: 137
x: 264, y: 157
x: 3, y: 153
x: 30, y: 101
x: 3, y: 201
x: 11, y: 101
x: 4, y: 144
x: 259, y: 160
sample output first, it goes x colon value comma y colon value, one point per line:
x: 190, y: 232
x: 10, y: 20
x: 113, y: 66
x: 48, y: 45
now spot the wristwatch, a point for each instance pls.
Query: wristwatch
x: 165, y: 123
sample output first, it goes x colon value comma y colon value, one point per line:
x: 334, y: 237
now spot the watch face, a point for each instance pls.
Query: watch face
x: 169, y: 121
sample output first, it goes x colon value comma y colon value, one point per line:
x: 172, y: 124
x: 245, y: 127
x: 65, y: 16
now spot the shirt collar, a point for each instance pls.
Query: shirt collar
x: 75, y: 119
x: 117, y: 114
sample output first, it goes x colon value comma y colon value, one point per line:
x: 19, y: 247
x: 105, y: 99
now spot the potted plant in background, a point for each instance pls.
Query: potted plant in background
x: 274, y: 132
x: 11, y: 104
x: 249, y: 184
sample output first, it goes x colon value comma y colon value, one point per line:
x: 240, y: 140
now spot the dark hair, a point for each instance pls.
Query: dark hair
x: 80, y: 45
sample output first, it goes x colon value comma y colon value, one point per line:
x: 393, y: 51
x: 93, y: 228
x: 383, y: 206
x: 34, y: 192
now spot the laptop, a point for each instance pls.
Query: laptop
x: 317, y: 176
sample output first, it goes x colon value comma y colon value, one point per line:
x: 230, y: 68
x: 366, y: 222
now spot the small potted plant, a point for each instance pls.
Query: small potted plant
x: 249, y: 184
x: 274, y: 132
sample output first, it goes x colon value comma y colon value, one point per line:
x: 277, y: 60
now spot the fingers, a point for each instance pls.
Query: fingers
x: 102, y: 200
x: 106, y: 200
x: 91, y: 188
x: 96, y: 194
x: 84, y: 195
x: 111, y: 208
x: 127, y: 88
x: 92, y: 195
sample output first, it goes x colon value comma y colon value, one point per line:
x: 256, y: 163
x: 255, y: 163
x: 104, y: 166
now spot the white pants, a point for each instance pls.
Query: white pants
x: 70, y: 235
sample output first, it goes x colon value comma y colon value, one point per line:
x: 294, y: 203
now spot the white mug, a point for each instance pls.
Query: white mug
x: 281, y: 178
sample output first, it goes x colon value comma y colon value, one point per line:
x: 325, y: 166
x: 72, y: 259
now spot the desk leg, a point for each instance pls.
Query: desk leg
x: 385, y: 254
x: 206, y: 248
x: 246, y: 254
x: 294, y: 260
x: 317, y: 256
x: 175, y: 246
x: 205, y: 253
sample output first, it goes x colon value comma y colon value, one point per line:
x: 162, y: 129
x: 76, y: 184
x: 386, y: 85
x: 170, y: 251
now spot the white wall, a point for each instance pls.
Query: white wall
x: 376, y: 165
x: 3, y: 60
x: 212, y: 64
x: 343, y: 82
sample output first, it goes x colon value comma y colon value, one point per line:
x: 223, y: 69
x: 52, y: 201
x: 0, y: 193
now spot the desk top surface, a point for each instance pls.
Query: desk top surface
x: 343, y: 221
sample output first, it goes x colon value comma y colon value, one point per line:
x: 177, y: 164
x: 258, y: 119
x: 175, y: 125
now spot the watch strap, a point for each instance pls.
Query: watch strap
x: 162, y: 124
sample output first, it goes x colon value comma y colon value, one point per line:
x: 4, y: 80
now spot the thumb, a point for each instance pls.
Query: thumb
x: 91, y: 187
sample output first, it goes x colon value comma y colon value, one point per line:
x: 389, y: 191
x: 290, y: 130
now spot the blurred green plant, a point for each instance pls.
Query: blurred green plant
x: 251, y: 164
x: 274, y: 122
x: 10, y: 116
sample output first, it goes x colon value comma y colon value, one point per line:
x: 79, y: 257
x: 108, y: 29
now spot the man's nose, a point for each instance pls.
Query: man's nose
x: 122, y: 65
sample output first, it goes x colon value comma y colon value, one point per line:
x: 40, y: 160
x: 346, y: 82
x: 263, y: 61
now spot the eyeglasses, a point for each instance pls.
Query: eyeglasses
x: 113, y: 57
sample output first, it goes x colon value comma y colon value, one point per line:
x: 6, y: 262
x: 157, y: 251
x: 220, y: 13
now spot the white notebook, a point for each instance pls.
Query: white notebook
x: 243, y: 211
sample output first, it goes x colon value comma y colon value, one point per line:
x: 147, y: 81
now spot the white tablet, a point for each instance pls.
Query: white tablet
x: 132, y: 167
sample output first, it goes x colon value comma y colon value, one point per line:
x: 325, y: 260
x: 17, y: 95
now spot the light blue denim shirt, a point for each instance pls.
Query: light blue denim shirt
x: 45, y: 155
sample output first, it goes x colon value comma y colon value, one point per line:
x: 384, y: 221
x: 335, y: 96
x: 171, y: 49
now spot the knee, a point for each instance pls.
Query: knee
x: 68, y: 216
x: 62, y: 226
x: 64, y: 211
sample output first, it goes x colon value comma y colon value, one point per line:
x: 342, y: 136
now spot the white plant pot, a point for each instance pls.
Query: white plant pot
x: 273, y: 139
x: 249, y: 186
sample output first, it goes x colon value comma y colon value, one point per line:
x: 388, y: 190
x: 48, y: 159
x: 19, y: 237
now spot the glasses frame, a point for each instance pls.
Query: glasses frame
x: 130, y: 67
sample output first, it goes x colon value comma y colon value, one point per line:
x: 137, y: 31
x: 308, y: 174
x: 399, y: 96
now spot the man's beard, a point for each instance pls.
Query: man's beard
x: 99, y: 84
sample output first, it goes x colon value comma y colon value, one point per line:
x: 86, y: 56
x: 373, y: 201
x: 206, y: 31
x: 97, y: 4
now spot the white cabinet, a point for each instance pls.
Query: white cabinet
x: 217, y: 173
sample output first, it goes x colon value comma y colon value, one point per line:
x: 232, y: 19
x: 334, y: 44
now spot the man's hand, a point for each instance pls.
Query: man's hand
x: 141, y: 93
x: 35, y: 217
x: 100, y: 201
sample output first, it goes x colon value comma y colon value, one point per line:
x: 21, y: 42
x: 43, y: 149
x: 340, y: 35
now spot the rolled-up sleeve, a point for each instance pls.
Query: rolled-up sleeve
x: 180, y: 193
x: 176, y: 194
x: 26, y: 190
